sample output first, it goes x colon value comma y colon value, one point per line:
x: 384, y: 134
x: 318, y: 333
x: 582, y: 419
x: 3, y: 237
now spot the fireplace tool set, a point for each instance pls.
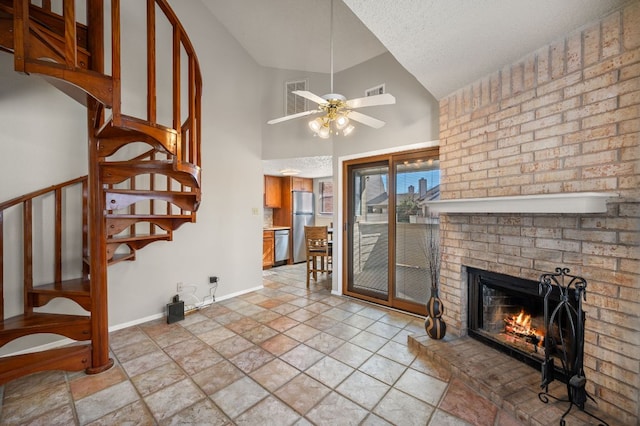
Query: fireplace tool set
x: 564, y: 327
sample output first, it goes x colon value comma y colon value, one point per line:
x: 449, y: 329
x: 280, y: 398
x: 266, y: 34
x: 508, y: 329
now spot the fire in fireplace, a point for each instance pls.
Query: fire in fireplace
x: 508, y: 313
x: 519, y: 328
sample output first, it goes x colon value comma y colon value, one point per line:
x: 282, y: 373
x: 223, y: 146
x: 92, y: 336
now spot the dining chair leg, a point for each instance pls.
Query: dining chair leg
x: 315, y: 268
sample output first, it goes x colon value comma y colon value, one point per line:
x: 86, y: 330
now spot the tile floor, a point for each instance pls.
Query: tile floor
x: 282, y: 355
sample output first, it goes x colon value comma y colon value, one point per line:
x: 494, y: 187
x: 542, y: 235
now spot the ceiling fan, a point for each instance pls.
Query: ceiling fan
x: 338, y: 111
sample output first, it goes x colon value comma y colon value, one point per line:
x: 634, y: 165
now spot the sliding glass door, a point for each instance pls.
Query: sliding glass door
x: 417, y: 181
x: 368, y: 231
x: 388, y: 228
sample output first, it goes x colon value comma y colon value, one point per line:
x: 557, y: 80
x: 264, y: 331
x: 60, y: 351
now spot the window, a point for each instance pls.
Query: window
x: 326, y: 197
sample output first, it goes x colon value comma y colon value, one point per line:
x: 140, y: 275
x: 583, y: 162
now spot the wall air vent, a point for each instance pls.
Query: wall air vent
x: 378, y: 90
x: 294, y: 104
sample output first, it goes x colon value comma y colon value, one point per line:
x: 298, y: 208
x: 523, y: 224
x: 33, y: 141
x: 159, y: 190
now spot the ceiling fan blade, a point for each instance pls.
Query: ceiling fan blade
x: 311, y: 96
x: 292, y: 116
x: 365, y: 119
x: 384, y: 99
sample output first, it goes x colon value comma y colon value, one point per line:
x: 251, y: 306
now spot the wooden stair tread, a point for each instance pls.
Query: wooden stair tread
x: 116, y: 223
x: 122, y: 257
x: 137, y: 238
x: 111, y: 129
x: 118, y: 199
x: 69, y: 358
x: 76, y: 286
x: 77, y: 289
x: 113, y: 172
x: 116, y: 133
x: 38, y: 320
x: 148, y: 216
x: 151, y: 192
x: 118, y: 257
x: 76, y: 327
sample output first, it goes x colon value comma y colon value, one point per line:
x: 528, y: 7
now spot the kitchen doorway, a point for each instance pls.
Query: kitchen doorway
x: 388, y: 227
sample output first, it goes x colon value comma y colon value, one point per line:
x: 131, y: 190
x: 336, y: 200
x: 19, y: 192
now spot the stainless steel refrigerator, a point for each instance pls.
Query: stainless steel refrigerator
x: 303, y: 215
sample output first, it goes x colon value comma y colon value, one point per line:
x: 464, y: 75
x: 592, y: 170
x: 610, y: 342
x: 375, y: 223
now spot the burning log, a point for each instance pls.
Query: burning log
x: 520, y: 326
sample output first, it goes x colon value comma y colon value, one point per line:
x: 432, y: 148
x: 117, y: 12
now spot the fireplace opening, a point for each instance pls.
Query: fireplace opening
x: 507, y: 313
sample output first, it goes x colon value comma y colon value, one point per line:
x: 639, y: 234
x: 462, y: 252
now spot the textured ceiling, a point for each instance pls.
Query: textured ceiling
x: 310, y: 167
x: 449, y: 44
x: 445, y: 44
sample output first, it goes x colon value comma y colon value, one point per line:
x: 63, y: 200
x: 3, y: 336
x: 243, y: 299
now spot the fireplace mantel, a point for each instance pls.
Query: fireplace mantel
x: 571, y: 202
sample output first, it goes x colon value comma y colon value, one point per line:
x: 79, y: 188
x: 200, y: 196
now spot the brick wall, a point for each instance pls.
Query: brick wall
x: 565, y: 118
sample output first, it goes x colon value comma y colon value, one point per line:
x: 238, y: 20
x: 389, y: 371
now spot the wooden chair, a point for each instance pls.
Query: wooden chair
x: 318, y: 247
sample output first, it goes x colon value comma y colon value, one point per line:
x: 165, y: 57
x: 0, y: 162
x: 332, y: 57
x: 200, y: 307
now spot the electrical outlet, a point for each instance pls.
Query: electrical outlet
x: 213, y: 280
x: 180, y: 287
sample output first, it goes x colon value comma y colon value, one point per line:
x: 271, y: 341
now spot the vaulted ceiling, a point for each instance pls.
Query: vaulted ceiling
x: 445, y: 44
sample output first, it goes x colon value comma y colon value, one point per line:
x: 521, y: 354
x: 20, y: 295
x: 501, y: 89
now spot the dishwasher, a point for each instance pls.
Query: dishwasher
x: 281, y: 246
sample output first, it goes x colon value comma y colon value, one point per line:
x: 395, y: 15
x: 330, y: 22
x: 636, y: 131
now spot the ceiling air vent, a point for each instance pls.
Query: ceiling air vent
x: 294, y: 103
x: 378, y: 90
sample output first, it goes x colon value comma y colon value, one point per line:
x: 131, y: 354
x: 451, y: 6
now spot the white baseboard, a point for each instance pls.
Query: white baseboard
x: 239, y: 293
x: 65, y: 341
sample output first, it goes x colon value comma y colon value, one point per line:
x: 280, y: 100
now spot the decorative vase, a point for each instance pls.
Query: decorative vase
x: 434, y: 325
x: 435, y: 328
x: 435, y: 308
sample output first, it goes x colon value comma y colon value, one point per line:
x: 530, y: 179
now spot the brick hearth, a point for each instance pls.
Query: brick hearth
x: 508, y: 383
x: 563, y: 119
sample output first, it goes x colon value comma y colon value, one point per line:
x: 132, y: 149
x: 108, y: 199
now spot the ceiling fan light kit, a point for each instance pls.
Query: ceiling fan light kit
x: 338, y: 111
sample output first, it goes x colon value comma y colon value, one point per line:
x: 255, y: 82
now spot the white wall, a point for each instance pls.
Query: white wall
x: 43, y: 142
x: 43, y: 130
x: 226, y: 241
x: 412, y: 119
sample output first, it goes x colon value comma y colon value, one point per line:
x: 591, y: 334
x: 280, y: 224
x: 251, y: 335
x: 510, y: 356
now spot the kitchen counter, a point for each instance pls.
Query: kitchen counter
x: 275, y: 245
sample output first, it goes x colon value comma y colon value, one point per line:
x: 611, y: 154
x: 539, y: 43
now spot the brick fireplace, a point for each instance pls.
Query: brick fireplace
x: 562, y: 120
x: 507, y: 313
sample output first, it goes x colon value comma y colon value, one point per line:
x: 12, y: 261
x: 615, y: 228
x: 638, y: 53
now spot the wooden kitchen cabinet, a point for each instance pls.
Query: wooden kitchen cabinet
x: 301, y: 184
x: 282, y: 216
x: 272, y: 192
x: 268, y: 249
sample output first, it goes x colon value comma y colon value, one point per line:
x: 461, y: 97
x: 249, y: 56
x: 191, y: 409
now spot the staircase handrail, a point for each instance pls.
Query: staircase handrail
x: 187, y: 148
x: 188, y: 129
x: 31, y: 195
x: 27, y: 200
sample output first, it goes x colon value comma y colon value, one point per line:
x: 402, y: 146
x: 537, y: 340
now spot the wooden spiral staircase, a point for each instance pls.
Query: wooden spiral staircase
x: 143, y: 176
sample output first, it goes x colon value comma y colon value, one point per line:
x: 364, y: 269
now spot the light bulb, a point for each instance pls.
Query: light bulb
x: 341, y: 122
x: 315, y: 125
x: 324, y: 132
x: 347, y: 131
